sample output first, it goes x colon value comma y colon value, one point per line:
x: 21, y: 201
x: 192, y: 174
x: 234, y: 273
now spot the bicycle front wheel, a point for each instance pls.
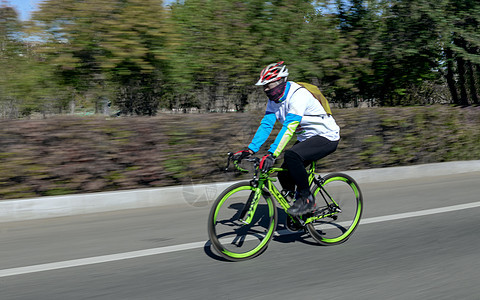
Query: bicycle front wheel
x: 339, y: 209
x: 241, y: 222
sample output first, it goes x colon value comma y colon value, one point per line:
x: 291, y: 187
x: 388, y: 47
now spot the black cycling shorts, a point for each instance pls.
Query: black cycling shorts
x: 300, y: 156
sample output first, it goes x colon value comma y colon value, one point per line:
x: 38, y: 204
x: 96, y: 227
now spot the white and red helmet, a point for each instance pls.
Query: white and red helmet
x: 273, y: 72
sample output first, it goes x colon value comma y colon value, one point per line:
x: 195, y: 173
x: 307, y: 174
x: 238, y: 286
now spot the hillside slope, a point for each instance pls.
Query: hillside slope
x: 65, y: 155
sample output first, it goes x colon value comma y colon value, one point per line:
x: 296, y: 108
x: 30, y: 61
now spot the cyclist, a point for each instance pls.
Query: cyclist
x: 302, y: 114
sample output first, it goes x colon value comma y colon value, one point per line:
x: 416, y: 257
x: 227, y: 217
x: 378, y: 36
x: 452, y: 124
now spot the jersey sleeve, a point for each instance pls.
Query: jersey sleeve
x: 263, y: 131
x: 288, y: 129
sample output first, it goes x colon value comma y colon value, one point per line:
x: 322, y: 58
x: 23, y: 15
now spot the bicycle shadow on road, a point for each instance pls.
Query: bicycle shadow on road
x: 286, y: 236
x: 207, y: 248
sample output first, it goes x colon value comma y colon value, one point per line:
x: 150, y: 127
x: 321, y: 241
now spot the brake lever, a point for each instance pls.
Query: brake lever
x: 230, y: 154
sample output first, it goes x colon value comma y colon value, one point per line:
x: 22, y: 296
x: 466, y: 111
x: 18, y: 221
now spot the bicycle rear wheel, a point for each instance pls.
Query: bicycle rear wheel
x: 339, y: 209
x: 234, y: 233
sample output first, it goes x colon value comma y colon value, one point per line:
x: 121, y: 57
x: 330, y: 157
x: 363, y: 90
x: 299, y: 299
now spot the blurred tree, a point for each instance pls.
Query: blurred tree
x: 10, y: 55
x: 459, y: 32
x: 24, y: 79
x: 335, y: 56
x: 135, y: 38
x: 107, y: 49
x: 70, y: 36
x: 360, y: 21
x: 207, y: 54
x: 224, y: 44
x: 217, y: 51
x: 9, y: 25
x: 406, y: 54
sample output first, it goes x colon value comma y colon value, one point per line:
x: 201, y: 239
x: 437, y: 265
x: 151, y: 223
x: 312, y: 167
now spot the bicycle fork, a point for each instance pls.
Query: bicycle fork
x: 250, y: 207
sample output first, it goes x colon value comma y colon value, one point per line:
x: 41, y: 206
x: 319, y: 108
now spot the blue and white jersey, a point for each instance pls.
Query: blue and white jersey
x: 300, y: 113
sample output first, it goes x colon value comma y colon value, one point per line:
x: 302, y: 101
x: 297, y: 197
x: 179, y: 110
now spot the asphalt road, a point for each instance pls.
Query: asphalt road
x: 405, y: 249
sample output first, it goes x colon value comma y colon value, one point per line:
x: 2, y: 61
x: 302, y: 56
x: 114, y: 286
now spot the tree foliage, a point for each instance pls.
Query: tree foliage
x: 26, y: 84
x: 140, y: 56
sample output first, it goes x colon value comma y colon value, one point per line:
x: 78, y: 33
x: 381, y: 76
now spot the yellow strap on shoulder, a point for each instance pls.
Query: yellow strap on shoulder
x: 315, y: 91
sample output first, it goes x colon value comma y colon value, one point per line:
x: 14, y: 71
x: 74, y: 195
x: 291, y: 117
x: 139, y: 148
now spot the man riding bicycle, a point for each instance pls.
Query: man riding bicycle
x: 300, y: 113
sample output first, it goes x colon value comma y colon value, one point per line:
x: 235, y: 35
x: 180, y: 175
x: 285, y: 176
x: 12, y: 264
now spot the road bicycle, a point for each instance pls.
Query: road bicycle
x: 243, y: 218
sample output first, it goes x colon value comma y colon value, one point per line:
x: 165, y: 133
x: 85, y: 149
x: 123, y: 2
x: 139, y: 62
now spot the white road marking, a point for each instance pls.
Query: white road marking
x: 195, y: 245
x: 98, y: 259
x: 419, y: 213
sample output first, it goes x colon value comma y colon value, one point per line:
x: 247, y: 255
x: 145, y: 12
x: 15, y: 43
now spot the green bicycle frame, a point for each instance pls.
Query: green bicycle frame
x: 266, y: 181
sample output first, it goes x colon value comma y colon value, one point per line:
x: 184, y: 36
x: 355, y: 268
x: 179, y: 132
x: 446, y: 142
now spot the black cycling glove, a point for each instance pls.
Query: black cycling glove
x: 267, y: 162
x: 238, y: 156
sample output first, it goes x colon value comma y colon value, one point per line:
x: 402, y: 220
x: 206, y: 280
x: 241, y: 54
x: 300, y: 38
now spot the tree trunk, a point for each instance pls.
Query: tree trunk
x: 462, y: 81
x: 449, y: 76
x: 72, y: 106
x: 471, y: 81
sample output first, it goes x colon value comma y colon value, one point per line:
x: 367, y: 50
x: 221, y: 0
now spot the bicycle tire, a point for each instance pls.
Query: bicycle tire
x: 337, y: 228
x: 233, y: 239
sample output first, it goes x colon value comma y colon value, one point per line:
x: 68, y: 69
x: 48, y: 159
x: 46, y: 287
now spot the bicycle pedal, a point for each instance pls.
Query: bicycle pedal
x: 293, y: 225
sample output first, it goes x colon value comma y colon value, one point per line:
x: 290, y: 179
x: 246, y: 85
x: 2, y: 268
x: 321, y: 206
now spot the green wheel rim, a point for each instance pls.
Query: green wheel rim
x: 269, y: 233
x: 357, y: 214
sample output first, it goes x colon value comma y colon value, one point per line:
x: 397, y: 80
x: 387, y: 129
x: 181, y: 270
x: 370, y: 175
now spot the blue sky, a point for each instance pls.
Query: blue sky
x: 26, y: 7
